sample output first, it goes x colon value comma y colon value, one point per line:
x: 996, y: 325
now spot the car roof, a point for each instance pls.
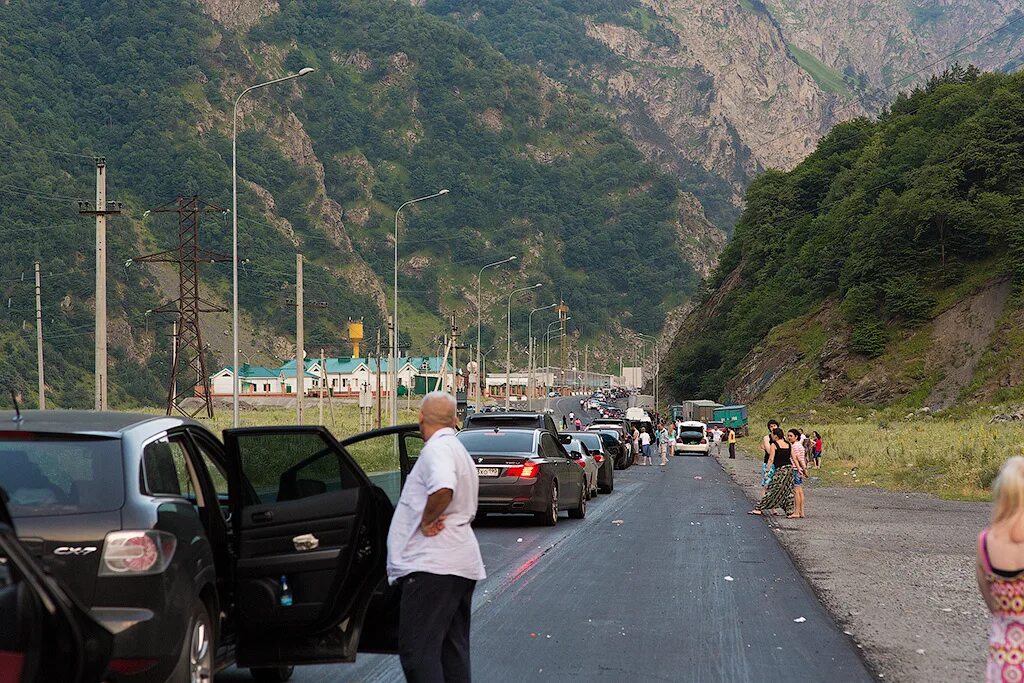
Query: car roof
x: 84, y: 422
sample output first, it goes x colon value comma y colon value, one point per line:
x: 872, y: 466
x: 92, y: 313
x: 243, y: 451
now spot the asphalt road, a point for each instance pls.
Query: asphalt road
x: 667, y: 579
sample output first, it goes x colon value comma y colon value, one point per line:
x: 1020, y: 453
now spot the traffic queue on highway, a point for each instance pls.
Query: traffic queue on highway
x: 144, y: 548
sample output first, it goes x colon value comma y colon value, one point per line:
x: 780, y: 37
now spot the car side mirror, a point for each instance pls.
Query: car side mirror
x: 565, y: 438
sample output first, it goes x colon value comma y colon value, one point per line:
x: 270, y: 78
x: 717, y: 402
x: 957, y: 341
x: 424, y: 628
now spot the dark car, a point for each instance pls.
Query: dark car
x: 45, y: 635
x: 510, y: 420
x: 596, y: 444
x: 266, y: 550
x: 525, y: 471
x: 613, y: 443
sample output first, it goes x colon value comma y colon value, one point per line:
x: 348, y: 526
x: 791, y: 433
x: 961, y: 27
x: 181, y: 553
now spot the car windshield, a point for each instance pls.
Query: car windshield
x: 496, y: 441
x: 44, y: 476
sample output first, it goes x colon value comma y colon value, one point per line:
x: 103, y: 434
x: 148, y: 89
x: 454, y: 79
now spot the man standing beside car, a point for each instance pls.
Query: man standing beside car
x: 433, y: 552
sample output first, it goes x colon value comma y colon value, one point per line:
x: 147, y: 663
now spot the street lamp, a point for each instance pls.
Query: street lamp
x: 393, y: 369
x: 656, y: 363
x: 547, y: 345
x: 529, y: 379
x: 234, y: 236
x: 508, y: 348
x: 479, y: 319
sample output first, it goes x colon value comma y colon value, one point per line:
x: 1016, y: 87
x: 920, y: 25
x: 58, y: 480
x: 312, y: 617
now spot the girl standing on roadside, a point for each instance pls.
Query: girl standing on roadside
x: 796, y: 440
x: 780, y: 489
x: 1000, y: 572
x: 817, y: 450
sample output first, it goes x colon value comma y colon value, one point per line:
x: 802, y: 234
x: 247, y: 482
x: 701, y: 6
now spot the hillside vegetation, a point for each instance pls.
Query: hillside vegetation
x: 401, y: 105
x: 860, y: 274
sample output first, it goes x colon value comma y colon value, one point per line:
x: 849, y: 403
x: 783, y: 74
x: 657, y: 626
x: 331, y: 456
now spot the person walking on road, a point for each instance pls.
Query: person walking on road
x: 1000, y: 574
x: 565, y: 423
x: 668, y: 446
x: 636, y: 445
x: 645, y: 445
x: 578, y: 424
x: 796, y: 439
x: 732, y: 444
x: 817, y: 450
x: 779, y: 493
x: 433, y: 553
x: 766, y: 445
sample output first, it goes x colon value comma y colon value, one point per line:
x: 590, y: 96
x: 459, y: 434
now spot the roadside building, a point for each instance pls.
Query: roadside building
x: 254, y: 379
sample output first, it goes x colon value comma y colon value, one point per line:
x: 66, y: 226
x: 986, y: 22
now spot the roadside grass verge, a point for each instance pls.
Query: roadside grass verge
x: 954, y: 456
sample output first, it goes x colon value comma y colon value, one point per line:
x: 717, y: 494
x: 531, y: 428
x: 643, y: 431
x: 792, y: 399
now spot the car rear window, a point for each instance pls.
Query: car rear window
x: 696, y: 436
x: 476, y: 421
x: 500, y: 441
x: 44, y: 476
x: 592, y: 440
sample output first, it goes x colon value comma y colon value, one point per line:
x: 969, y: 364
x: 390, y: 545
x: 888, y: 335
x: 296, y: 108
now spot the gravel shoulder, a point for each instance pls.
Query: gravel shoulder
x: 896, y: 570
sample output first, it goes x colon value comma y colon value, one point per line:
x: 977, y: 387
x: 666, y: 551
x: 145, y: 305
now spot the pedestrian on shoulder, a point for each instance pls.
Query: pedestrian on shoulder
x: 636, y: 446
x: 433, y: 553
x: 795, y: 438
x: 779, y: 493
x: 732, y: 444
x: 645, y: 445
x: 1000, y: 574
x: 766, y: 442
x: 817, y: 450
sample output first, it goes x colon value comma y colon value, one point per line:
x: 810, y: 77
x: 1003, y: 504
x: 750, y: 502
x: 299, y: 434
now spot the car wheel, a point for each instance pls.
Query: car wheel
x: 274, y: 674
x: 195, y: 665
x: 581, y: 510
x: 550, y: 516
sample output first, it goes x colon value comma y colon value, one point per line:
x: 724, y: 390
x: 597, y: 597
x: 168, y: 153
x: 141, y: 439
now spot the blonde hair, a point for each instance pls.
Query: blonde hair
x: 1008, y: 492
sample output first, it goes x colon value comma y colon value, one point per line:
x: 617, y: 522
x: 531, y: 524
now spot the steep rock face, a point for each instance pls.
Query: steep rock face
x: 885, y: 39
x: 239, y: 14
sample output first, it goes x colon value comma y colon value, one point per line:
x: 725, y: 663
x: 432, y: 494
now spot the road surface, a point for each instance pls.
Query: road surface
x: 667, y: 579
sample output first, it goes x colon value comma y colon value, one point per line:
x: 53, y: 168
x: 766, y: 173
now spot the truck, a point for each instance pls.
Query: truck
x: 701, y: 411
x: 734, y: 417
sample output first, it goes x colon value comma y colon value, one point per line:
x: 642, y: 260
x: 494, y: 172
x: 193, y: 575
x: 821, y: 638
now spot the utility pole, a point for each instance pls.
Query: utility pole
x: 188, y: 338
x: 39, y: 343
x: 586, y: 368
x: 378, y: 379
x: 323, y: 384
x: 101, y: 210
x: 300, y: 366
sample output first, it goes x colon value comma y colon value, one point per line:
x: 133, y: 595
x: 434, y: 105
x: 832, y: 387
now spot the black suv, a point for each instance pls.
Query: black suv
x: 511, y: 420
x: 268, y: 549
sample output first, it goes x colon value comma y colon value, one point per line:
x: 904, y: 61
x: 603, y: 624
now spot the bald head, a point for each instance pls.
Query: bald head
x: 437, y: 411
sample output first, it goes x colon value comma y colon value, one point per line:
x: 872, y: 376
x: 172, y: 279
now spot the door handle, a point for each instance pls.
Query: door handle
x: 306, y: 542
x: 264, y: 516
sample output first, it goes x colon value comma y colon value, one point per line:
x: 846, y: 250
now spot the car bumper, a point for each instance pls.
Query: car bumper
x: 684, y: 449
x: 146, y: 645
x: 523, y: 495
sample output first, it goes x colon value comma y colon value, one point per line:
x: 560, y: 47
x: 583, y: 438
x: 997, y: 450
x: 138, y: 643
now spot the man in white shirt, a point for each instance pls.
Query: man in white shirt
x: 433, y: 552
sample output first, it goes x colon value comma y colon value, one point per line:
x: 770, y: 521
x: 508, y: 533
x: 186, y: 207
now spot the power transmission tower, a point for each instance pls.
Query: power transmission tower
x: 188, y: 340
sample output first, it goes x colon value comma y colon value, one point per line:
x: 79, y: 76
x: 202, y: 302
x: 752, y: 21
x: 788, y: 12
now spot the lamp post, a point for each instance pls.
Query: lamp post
x: 508, y: 348
x: 393, y: 363
x: 656, y: 362
x: 234, y: 236
x: 479, y: 320
x: 529, y: 379
x: 547, y: 343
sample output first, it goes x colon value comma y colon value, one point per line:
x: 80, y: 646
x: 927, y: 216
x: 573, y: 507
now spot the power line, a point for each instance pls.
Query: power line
x: 59, y: 152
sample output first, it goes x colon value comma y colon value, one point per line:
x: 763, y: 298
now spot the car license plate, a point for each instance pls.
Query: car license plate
x: 488, y: 471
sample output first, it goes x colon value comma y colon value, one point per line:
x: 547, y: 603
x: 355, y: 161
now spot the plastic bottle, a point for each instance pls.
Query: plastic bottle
x: 286, y: 592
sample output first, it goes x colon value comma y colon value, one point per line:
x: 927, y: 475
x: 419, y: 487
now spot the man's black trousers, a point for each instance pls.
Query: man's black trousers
x: 433, y: 628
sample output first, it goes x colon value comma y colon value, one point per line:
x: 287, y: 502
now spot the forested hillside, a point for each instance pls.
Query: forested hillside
x: 862, y: 273
x: 401, y: 104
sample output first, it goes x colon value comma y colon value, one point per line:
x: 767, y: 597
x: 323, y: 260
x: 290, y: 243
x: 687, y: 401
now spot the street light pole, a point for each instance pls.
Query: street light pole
x: 234, y: 236
x: 479, y: 320
x: 657, y: 364
x: 393, y: 363
x: 529, y: 379
x: 508, y: 340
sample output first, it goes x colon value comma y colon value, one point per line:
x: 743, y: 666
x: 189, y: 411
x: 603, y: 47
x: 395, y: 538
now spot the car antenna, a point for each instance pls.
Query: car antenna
x: 18, y: 419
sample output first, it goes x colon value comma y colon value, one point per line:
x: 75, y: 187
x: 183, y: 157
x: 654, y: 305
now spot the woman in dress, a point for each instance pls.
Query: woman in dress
x: 1000, y: 571
x: 780, y: 489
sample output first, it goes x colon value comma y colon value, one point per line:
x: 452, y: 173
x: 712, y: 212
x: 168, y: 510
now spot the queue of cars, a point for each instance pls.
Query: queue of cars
x: 145, y: 548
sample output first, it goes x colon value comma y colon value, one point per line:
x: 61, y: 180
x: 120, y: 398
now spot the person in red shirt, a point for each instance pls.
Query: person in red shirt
x: 816, y: 451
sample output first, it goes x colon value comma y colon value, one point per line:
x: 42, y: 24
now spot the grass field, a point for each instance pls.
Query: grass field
x: 824, y: 76
x: 955, y: 456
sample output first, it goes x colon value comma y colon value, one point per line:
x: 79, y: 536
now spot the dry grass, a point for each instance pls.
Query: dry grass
x: 953, y: 457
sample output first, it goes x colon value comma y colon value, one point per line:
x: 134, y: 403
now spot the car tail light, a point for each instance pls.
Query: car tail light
x: 582, y: 463
x: 137, y: 552
x: 130, y: 667
x: 599, y: 458
x: 528, y: 471
x: 703, y: 440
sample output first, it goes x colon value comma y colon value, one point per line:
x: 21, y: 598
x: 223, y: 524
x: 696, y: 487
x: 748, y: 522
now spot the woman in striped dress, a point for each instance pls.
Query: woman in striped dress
x: 1000, y: 571
x: 779, y: 493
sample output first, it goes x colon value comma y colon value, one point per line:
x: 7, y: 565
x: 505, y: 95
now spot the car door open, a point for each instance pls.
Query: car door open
x: 309, y: 532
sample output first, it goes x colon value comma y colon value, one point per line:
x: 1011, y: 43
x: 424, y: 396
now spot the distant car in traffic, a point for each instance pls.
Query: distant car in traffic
x: 587, y: 461
x: 525, y: 471
x: 613, y: 442
x: 692, y: 438
x: 196, y: 554
x: 553, y: 394
x: 597, y: 444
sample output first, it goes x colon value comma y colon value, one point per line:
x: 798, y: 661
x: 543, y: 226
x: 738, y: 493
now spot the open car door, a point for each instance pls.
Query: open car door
x: 310, y: 532
x: 387, y: 455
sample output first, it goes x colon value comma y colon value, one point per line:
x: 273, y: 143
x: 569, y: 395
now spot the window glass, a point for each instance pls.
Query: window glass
x: 291, y: 466
x: 165, y: 469
x: 549, y: 449
x: 213, y: 467
x: 46, y: 477
x: 496, y: 441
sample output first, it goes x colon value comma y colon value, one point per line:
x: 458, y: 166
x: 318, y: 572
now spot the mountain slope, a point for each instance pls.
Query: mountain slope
x: 882, y: 268
x: 401, y: 105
